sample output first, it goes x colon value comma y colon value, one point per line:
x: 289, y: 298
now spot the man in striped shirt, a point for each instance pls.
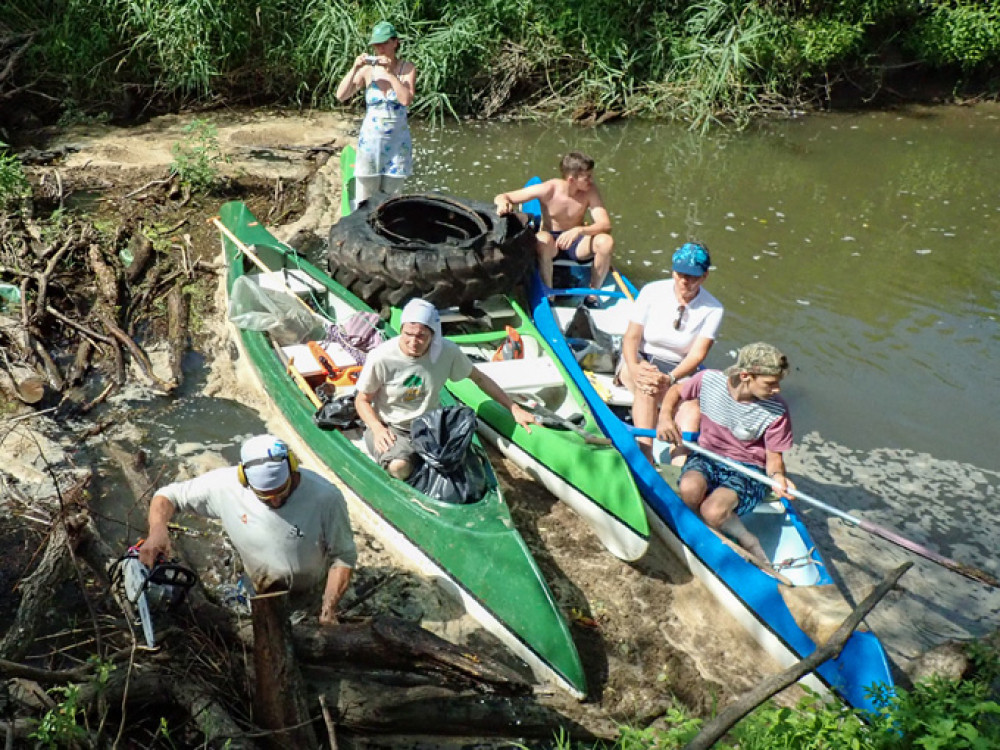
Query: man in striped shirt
x: 743, y: 419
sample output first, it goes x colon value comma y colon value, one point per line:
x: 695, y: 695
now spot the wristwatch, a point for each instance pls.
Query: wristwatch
x: 671, y: 378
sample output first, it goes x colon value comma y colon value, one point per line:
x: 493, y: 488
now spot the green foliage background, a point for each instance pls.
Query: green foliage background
x: 699, y: 60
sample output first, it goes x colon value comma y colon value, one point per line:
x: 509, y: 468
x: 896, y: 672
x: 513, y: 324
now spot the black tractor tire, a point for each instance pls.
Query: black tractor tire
x: 448, y: 251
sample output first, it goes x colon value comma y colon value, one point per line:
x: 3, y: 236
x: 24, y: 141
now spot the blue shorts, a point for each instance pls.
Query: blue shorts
x: 749, y: 492
x: 570, y: 252
x: 663, y: 365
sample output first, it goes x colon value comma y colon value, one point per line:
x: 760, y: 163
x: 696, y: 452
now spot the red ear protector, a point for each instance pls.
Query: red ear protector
x: 280, y: 452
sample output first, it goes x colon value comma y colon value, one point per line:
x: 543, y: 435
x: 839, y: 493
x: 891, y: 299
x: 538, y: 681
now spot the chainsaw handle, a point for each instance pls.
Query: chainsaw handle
x: 172, y: 574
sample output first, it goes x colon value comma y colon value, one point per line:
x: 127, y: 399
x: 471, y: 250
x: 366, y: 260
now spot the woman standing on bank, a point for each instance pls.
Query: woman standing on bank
x: 385, y: 155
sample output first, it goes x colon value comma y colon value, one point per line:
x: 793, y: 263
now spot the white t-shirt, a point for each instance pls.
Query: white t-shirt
x: 405, y: 387
x: 295, y: 544
x: 656, y: 309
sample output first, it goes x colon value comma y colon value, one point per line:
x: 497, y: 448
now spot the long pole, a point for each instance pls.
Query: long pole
x: 257, y: 261
x: 621, y: 284
x: 889, y: 535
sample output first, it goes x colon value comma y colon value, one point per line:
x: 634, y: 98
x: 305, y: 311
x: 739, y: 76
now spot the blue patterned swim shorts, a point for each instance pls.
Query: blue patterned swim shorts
x: 749, y: 492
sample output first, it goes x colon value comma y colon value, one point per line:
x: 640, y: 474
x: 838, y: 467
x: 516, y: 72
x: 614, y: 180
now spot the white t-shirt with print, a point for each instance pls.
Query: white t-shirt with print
x: 295, y: 544
x: 404, y: 387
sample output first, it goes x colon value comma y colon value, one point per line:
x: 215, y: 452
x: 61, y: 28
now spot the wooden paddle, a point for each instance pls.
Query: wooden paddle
x: 217, y: 221
x: 621, y: 285
x: 889, y: 535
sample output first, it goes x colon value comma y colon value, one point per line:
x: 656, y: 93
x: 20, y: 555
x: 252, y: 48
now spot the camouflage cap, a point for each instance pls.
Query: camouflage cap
x: 759, y: 359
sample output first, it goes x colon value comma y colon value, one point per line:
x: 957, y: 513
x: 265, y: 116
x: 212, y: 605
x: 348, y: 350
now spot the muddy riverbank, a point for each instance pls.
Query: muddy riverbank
x: 650, y: 636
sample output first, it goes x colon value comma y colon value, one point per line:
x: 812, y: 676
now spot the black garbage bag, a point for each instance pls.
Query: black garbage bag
x: 449, y: 470
x: 337, y: 412
x: 594, y: 349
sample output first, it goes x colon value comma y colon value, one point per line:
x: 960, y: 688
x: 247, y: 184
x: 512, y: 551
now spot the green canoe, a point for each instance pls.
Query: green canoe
x: 570, y: 455
x: 473, y: 549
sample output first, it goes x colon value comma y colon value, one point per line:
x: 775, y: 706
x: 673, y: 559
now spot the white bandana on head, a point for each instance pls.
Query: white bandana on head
x: 423, y: 312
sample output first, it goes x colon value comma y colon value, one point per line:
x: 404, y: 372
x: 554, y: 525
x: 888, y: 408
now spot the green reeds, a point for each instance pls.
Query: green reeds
x: 707, y: 61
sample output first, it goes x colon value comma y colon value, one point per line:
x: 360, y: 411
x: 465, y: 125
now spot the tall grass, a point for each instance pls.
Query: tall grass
x: 704, y: 61
x: 720, y: 64
x: 187, y: 44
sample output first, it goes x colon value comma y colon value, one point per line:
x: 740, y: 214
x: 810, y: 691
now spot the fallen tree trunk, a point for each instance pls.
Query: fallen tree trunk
x: 715, y: 730
x: 435, y: 710
x: 38, y: 588
x: 394, y: 643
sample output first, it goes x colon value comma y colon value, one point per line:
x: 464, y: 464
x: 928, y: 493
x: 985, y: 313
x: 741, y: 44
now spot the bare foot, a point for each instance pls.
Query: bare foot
x: 752, y: 545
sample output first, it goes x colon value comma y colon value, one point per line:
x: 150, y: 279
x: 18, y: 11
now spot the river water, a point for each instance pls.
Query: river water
x: 867, y: 247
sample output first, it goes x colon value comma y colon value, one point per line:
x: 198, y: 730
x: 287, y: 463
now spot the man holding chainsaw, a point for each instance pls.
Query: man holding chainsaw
x: 289, y: 524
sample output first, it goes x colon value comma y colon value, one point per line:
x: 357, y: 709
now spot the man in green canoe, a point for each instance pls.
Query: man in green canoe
x: 402, y: 379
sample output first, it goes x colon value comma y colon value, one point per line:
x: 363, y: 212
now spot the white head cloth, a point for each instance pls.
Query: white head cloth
x: 423, y: 312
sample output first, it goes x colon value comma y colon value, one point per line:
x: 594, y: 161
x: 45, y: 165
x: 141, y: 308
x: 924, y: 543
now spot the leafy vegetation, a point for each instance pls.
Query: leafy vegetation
x: 197, y: 158
x: 937, y: 714
x: 13, y: 183
x: 702, y: 60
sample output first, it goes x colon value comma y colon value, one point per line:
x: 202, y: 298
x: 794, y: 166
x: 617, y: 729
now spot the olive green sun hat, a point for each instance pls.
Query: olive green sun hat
x: 383, y: 32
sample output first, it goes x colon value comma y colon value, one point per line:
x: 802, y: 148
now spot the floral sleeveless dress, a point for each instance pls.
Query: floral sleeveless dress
x: 384, y: 146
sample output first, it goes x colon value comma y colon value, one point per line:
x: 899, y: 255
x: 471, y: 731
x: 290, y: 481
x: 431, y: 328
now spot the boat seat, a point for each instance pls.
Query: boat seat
x: 523, y: 374
x: 286, y: 280
x: 495, y: 308
x: 305, y: 362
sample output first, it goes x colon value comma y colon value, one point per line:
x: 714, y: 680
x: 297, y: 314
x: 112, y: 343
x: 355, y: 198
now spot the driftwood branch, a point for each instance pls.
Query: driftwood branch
x: 38, y: 588
x: 716, y: 729
x: 142, y: 255
x: 138, y: 355
x: 178, y: 304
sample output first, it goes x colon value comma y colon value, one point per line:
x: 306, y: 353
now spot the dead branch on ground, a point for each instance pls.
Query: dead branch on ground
x: 715, y: 730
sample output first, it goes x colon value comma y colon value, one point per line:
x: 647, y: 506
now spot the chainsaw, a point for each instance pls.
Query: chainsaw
x: 143, y: 591
x: 334, y: 375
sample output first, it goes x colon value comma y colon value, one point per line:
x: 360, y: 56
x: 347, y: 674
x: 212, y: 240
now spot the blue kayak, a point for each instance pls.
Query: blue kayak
x: 763, y: 600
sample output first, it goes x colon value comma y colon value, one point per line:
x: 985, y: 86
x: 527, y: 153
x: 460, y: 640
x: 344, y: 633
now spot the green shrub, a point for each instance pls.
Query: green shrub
x: 827, y: 41
x: 964, y: 33
x: 63, y: 725
x: 198, y: 157
x: 13, y: 182
x: 940, y: 714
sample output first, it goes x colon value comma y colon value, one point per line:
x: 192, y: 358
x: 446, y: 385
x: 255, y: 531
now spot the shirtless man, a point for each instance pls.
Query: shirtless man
x: 565, y: 203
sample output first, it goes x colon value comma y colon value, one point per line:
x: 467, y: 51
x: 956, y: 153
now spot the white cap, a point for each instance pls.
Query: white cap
x: 265, y: 462
x: 423, y: 312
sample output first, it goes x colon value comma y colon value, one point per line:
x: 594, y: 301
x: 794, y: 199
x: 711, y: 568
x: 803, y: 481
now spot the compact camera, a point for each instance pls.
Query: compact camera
x: 371, y: 59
